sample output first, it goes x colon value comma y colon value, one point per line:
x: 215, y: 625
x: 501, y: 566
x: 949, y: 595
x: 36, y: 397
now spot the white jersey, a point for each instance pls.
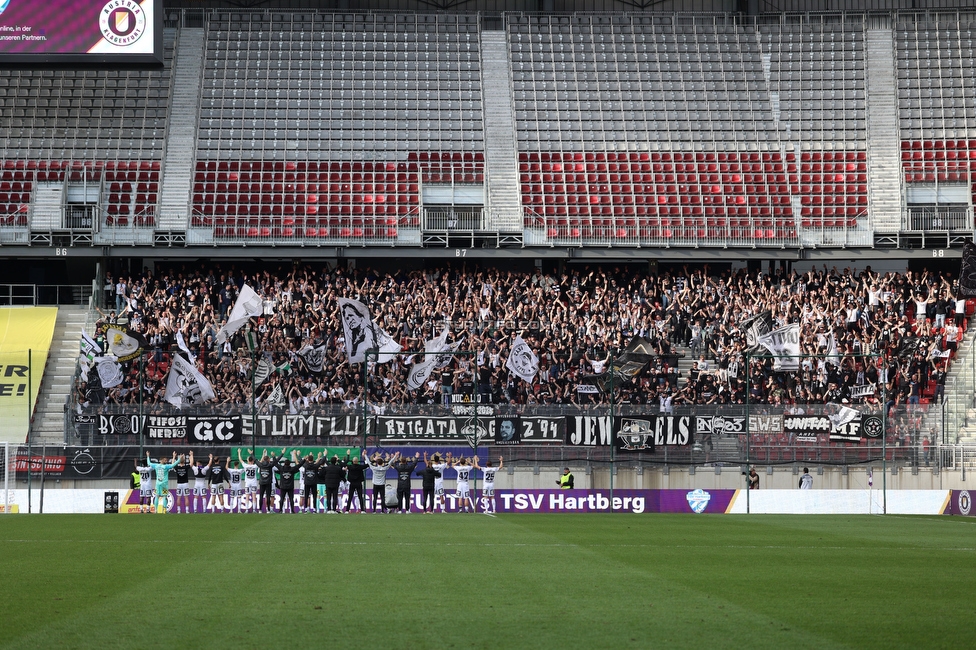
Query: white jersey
x: 236, y: 476
x: 199, y: 476
x: 145, y: 477
x: 250, y: 475
x: 463, y: 471
x: 489, y: 474
x: 439, y: 481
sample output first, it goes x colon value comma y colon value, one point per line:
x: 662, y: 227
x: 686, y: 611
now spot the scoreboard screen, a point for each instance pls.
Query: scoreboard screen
x: 81, y: 32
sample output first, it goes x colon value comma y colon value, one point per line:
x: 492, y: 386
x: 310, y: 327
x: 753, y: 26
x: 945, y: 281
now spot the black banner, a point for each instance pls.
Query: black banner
x: 543, y: 429
x: 806, y: 428
x: 720, y: 424
x: 68, y: 462
x: 314, y: 426
x: 589, y: 430
x: 634, y: 434
x: 474, y: 430
x: 210, y: 429
x: 627, y: 431
x: 508, y: 430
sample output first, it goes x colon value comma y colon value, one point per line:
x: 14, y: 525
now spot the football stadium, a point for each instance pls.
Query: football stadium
x: 656, y: 311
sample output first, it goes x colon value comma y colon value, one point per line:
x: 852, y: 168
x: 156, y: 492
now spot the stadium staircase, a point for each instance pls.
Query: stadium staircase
x: 181, y: 137
x: 884, y: 163
x: 48, y: 201
x: 48, y: 427
x: 504, y: 208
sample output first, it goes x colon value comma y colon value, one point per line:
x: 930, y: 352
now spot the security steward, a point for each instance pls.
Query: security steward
x: 566, y: 480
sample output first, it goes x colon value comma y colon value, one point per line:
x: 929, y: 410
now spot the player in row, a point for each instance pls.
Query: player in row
x: 342, y: 480
x: 462, y: 489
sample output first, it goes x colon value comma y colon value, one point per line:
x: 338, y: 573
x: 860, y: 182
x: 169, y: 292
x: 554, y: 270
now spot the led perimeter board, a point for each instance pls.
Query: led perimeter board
x: 39, y: 33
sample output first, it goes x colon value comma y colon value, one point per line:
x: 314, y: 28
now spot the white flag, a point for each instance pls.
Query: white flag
x: 313, y: 357
x: 421, y: 370
x: 522, y: 361
x: 277, y: 396
x: 262, y: 371
x: 185, y: 385
x: 89, y: 347
x: 784, y: 345
x: 833, y: 354
x: 181, y: 344
x: 840, y: 415
x: 109, y: 371
x: 362, y: 334
x: 248, y: 304
x: 388, y: 347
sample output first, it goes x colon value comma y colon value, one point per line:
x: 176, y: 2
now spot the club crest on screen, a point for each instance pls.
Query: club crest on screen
x: 122, y: 22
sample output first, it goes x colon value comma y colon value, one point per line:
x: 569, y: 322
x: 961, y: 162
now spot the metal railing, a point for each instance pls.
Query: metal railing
x: 45, y: 294
x: 933, y: 219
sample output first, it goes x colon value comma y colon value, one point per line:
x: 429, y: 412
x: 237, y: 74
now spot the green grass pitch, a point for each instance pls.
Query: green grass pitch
x: 472, y: 581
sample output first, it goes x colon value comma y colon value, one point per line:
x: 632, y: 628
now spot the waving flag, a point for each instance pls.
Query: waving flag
x: 248, y: 304
x: 185, y: 385
x: 522, y: 361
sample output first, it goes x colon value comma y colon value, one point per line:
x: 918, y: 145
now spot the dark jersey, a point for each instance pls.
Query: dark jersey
x: 404, y: 470
x: 287, y: 474
x: 356, y: 472
x: 216, y: 474
x: 182, y: 474
x: 265, y: 472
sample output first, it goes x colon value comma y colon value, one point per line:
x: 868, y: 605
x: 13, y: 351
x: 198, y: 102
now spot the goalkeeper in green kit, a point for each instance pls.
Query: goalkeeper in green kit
x: 162, y: 481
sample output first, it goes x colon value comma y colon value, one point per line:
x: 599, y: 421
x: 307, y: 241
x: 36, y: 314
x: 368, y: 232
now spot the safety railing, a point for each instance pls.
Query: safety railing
x: 44, y: 294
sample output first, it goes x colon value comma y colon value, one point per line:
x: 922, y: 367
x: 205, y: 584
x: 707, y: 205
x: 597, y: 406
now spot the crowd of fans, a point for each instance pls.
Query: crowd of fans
x: 575, y: 321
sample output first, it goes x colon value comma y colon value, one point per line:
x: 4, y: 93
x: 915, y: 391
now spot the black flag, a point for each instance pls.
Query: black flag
x: 967, y: 272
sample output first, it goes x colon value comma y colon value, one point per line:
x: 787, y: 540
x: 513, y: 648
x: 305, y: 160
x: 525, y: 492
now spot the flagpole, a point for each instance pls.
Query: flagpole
x: 254, y: 415
x: 365, y: 389
x: 613, y: 445
x: 884, y: 441
x: 748, y: 433
x: 142, y: 386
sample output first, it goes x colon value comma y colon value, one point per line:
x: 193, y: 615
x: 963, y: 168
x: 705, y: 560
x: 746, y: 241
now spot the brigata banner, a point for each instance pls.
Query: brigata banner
x: 696, y: 501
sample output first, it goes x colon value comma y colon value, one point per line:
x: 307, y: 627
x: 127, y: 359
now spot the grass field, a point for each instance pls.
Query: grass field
x: 471, y: 581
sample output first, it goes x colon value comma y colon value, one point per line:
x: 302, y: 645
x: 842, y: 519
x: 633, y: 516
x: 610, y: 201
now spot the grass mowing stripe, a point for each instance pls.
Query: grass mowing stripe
x: 509, y: 581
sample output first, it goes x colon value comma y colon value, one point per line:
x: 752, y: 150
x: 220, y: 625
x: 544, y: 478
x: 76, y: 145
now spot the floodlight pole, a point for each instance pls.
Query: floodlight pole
x: 30, y: 450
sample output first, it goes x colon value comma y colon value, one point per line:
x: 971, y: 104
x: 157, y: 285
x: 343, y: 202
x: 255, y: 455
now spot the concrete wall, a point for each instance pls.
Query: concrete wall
x: 782, y: 478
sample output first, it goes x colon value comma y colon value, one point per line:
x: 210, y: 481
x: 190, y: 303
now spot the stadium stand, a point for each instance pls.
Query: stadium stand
x: 630, y: 129
x: 355, y: 168
x: 94, y: 137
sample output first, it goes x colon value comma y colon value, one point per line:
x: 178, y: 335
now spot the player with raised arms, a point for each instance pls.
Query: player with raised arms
x: 440, y: 464
x: 199, y: 483
x: 235, y: 476
x: 462, y: 489
x: 250, y: 480
x: 145, y: 485
x: 162, y: 471
x: 488, y: 487
x: 182, y: 471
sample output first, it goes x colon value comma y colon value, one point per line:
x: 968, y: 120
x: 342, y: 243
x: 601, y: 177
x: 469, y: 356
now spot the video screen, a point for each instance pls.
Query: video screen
x: 83, y: 32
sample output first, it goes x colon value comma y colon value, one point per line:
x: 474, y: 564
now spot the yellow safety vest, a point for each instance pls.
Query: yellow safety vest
x: 564, y: 481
